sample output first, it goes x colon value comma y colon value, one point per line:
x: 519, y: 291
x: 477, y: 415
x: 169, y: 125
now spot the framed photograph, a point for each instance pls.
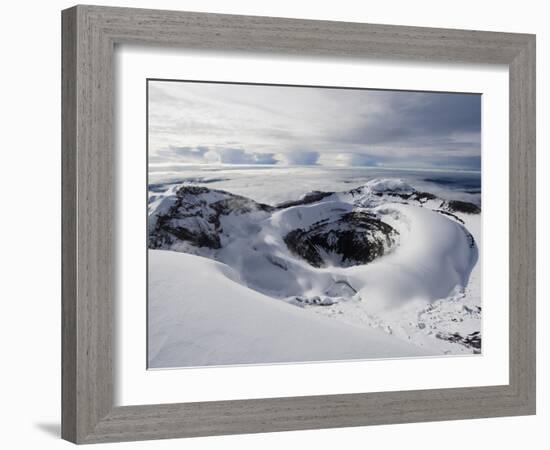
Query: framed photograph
x: 278, y: 224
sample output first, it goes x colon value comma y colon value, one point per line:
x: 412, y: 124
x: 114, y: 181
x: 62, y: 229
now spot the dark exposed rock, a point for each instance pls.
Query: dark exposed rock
x: 422, y: 196
x: 196, y: 238
x: 307, y: 199
x: 354, y: 238
x: 195, y: 217
x: 316, y: 300
x: 472, y: 340
x: 447, y: 213
x: 471, y: 240
x: 461, y: 207
x: 401, y: 195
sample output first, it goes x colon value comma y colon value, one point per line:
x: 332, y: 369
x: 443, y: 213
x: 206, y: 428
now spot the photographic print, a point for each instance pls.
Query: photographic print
x: 292, y: 224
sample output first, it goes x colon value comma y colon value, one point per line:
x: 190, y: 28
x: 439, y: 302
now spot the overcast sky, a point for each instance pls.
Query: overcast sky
x: 207, y: 123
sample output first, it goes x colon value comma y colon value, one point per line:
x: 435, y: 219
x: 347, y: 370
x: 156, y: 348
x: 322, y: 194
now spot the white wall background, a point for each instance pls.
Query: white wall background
x: 30, y: 222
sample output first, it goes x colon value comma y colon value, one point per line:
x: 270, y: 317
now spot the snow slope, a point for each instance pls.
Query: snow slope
x: 235, y: 325
x: 434, y: 258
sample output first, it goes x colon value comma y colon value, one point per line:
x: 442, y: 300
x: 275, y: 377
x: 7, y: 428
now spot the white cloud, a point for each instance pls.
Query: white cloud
x: 238, y: 156
x: 251, y: 124
x: 301, y: 158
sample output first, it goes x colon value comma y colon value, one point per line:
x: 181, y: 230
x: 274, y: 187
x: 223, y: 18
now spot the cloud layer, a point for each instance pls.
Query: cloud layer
x: 209, y: 123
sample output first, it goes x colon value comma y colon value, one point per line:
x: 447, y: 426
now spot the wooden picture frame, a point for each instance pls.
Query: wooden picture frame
x: 90, y: 34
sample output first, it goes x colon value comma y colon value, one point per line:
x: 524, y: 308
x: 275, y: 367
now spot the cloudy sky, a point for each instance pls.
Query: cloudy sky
x: 207, y: 123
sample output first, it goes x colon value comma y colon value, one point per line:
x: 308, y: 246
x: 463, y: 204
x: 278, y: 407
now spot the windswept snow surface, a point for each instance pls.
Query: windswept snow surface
x: 379, y: 269
x: 209, y: 319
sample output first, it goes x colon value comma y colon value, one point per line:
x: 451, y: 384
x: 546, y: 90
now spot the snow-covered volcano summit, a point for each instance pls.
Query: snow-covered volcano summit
x: 375, y: 255
x: 272, y: 247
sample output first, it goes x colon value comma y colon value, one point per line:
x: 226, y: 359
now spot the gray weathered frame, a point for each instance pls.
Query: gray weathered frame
x: 89, y: 36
